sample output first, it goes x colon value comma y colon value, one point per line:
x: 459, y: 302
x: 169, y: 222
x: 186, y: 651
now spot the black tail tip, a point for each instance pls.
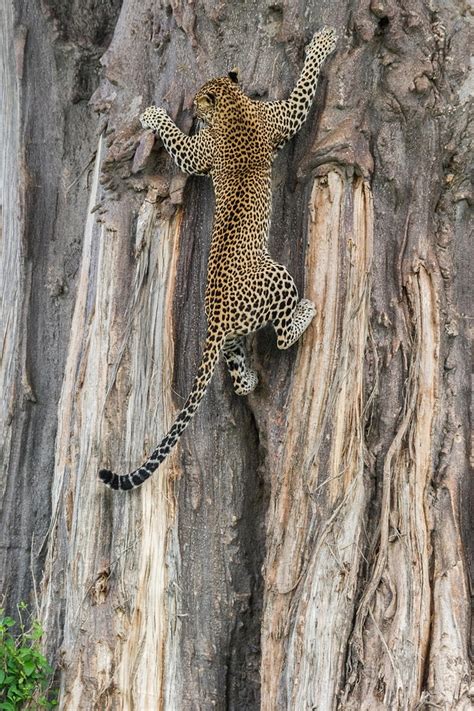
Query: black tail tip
x: 109, y: 478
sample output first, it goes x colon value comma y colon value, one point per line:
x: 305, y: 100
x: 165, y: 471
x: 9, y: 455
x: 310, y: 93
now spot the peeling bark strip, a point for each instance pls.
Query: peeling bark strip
x: 312, y: 565
x: 141, y: 338
x: 403, y: 547
x: 308, y: 546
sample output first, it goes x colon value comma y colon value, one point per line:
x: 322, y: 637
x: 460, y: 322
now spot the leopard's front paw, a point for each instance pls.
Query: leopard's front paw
x: 323, y: 43
x: 152, y: 117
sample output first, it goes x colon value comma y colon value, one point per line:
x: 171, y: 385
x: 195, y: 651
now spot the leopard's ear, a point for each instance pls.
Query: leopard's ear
x: 234, y: 75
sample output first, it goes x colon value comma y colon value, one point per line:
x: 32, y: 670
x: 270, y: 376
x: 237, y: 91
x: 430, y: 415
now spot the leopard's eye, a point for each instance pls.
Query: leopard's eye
x: 211, y: 98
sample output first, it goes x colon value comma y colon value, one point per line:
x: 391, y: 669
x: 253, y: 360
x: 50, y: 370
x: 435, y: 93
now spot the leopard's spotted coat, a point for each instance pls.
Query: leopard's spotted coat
x: 246, y: 288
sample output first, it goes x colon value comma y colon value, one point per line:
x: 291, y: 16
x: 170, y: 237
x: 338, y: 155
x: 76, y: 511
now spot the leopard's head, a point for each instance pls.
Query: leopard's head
x: 217, y: 96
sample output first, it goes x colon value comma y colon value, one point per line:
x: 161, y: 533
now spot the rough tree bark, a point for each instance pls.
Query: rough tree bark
x: 306, y: 547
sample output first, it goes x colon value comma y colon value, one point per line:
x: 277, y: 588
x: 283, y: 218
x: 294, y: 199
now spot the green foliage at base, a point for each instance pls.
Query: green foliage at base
x: 25, y: 675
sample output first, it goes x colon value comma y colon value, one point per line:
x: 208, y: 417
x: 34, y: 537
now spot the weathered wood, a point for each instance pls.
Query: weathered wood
x: 313, y: 564
x: 305, y: 547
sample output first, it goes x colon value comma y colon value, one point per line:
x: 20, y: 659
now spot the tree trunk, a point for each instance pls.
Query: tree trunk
x: 305, y: 547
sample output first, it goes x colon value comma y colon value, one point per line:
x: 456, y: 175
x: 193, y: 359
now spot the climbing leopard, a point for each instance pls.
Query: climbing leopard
x: 246, y: 288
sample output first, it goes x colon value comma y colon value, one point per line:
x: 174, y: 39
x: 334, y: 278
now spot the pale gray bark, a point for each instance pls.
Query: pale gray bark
x: 307, y: 546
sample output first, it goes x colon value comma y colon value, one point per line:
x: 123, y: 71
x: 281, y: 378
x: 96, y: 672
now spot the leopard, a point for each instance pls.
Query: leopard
x: 246, y: 289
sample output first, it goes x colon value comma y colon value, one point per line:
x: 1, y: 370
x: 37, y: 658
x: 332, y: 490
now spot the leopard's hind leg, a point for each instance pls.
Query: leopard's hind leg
x: 291, y: 316
x: 289, y: 329
x: 244, y: 378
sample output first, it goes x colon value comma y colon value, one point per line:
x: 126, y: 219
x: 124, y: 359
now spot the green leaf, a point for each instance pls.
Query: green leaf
x: 13, y: 691
x: 25, y: 675
x: 29, y: 667
x: 7, y: 706
x: 36, y: 630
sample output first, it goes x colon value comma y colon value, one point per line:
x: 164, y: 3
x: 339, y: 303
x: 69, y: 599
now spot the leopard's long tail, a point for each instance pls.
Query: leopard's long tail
x: 209, y: 359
